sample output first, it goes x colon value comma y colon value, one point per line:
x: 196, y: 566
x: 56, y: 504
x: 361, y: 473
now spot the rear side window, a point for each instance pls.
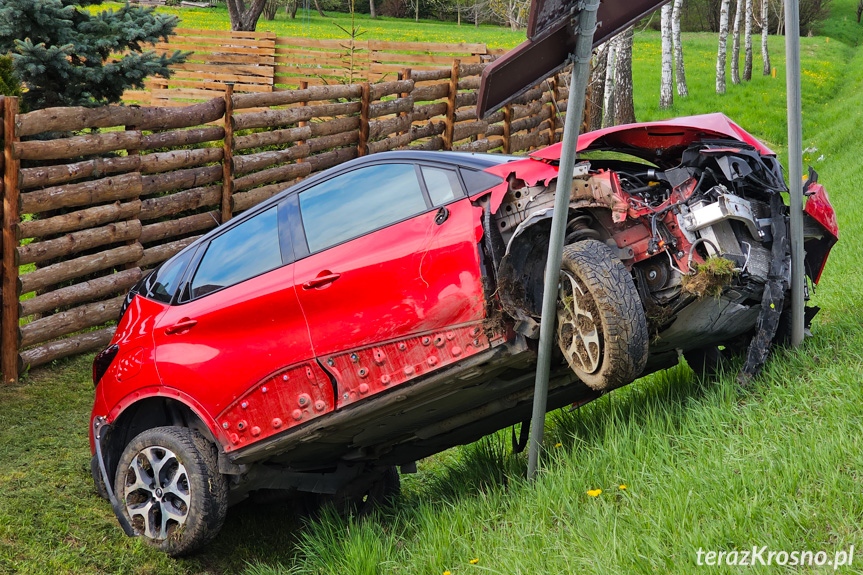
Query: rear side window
x: 243, y: 252
x: 163, y: 283
x: 443, y: 185
x: 358, y: 202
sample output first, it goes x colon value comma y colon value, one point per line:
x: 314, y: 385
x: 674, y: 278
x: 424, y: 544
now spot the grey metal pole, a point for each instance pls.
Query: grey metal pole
x: 571, y: 128
x: 795, y: 165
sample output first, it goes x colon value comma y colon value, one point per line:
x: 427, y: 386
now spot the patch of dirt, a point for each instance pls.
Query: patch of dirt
x: 709, y: 278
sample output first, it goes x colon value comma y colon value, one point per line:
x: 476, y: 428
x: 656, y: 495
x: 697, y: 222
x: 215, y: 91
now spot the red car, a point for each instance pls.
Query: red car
x: 388, y: 309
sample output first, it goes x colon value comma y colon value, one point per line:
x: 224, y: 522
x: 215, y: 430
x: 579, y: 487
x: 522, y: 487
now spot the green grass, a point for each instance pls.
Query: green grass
x: 705, y: 464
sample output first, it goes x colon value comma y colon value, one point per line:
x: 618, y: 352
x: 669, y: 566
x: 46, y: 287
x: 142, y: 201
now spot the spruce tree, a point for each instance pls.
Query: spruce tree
x: 67, y: 56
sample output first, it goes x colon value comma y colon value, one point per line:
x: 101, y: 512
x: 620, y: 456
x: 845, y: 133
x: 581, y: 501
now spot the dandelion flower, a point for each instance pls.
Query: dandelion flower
x: 447, y: 573
x: 558, y: 444
x: 474, y: 561
x: 622, y: 486
x: 594, y: 492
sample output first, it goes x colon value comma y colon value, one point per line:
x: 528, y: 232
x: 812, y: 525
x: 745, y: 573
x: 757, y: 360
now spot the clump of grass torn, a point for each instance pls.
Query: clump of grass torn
x: 709, y: 278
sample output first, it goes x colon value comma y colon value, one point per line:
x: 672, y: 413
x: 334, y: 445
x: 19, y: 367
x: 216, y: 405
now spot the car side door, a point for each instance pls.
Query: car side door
x: 388, y: 277
x: 236, y: 340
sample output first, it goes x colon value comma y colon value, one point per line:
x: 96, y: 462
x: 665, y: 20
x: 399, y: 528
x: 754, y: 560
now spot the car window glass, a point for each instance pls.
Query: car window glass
x: 358, y: 202
x: 443, y: 185
x: 243, y: 252
x: 163, y: 282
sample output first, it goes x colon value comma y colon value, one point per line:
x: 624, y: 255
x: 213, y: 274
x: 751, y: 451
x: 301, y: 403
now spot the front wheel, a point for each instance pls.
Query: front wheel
x: 602, y: 330
x: 170, y: 489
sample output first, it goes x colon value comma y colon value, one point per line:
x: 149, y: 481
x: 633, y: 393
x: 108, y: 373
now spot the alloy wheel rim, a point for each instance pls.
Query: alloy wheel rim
x: 156, y: 493
x: 577, y: 330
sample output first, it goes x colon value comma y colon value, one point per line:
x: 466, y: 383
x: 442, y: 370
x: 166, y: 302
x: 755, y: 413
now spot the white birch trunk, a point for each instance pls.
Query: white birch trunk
x: 682, y: 88
x: 666, y: 89
x: 735, y: 44
x: 624, y: 104
x: 723, y: 47
x: 747, y: 42
x: 608, y: 95
x: 765, y: 20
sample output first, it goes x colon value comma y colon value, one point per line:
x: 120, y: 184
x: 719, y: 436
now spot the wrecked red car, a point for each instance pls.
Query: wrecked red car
x: 388, y: 309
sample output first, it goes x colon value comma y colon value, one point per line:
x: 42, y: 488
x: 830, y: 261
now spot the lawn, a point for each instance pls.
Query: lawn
x: 705, y: 464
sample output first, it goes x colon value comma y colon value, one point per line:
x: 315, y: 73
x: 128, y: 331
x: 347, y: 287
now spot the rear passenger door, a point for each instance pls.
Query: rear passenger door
x: 387, y: 266
x: 236, y: 339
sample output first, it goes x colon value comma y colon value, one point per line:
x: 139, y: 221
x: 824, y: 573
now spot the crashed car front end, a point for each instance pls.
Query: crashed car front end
x: 693, y: 208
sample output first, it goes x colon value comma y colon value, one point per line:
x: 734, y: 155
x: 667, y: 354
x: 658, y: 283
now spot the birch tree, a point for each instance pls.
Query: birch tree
x: 735, y: 44
x: 624, y: 105
x: 723, y: 47
x: 682, y: 88
x: 747, y: 35
x: 666, y: 88
x: 596, y: 89
x: 765, y: 53
x: 608, y: 91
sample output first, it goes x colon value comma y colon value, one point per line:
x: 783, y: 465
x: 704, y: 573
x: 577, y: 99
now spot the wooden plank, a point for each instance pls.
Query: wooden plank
x: 221, y: 44
x: 442, y: 60
x: 197, y: 48
x: 223, y: 33
x: 336, y: 44
x: 395, y: 68
x: 91, y: 290
x: 9, y: 314
x: 450, y: 106
x: 452, y: 48
x: 78, y: 267
x: 220, y: 77
x: 259, y: 59
x: 89, y: 341
x: 238, y: 69
x: 78, y: 220
x: 210, y: 85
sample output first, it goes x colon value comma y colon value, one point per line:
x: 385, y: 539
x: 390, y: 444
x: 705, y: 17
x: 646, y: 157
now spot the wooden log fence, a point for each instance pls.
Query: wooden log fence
x: 85, y: 216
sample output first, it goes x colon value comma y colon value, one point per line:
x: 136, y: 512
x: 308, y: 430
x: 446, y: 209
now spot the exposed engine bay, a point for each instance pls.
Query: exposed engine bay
x: 703, y: 232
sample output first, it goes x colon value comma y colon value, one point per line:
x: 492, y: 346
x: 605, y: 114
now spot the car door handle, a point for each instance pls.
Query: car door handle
x: 184, y: 323
x: 321, y: 281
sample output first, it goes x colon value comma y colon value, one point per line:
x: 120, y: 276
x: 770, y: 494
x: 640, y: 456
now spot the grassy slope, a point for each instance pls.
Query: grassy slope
x: 705, y: 465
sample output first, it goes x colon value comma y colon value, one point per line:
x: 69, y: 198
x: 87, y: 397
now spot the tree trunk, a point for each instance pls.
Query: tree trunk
x: 320, y: 12
x: 747, y: 41
x: 735, y: 44
x: 780, y: 20
x: 372, y: 13
x: 624, y: 106
x: 294, y: 7
x: 723, y: 47
x: 416, y: 10
x: 596, y: 92
x: 765, y: 20
x: 245, y: 19
x: 859, y: 11
x: 666, y: 89
x: 682, y: 88
x: 608, y: 92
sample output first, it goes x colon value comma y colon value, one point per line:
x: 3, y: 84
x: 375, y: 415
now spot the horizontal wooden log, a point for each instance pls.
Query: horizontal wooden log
x: 181, y: 179
x: 428, y: 111
x: 175, y: 159
x: 182, y: 137
x: 278, y: 174
x: 471, y: 69
x: 378, y: 91
x: 480, y: 146
x: 78, y: 220
x: 471, y: 83
x: 105, y: 190
x: 75, y: 242
x: 496, y: 130
x: 463, y: 99
x: 389, y: 107
x: 158, y: 254
x: 465, y: 115
x: 386, y: 127
x: 523, y: 111
x: 89, y: 145
x: 315, y: 93
x: 317, y: 145
x: 245, y: 200
x: 312, y: 130
x: 71, y: 321
x: 62, y: 173
x: 391, y: 143
x: 171, y: 204
x: 435, y: 143
x: 326, y: 160
x: 180, y: 226
x: 430, y: 93
x: 462, y: 131
x: 253, y: 162
x: 289, y: 116
x: 495, y: 117
x: 143, y: 118
x: 94, y: 289
x: 82, y: 343
x: 531, y: 122
x: 428, y: 75
x: 82, y: 266
x: 530, y: 96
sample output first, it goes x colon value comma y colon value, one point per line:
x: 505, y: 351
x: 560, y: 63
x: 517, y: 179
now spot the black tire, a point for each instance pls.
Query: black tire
x: 602, y: 329
x: 190, y: 491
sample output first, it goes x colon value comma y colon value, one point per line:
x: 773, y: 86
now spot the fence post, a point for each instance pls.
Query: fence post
x: 362, y: 145
x: 507, y: 128
x: 228, y: 154
x: 9, y: 340
x: 449, y: 122
x: 405, y: 75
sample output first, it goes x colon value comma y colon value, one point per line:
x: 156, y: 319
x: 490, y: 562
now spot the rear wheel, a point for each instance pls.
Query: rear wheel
x: 170, y: 489
x: 602, y: 330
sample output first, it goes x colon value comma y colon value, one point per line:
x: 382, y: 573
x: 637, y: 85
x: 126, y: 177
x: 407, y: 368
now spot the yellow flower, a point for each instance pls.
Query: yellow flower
x: 558, y: 444
x: 622, y: 486
x: 474, y: 561
x: 594, y: 492
x: 447, y: 573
